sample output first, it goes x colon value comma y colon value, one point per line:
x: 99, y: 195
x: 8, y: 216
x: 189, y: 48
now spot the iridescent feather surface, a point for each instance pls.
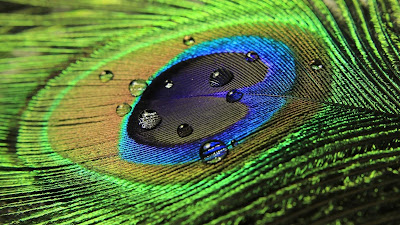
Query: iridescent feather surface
x: 200, y: 112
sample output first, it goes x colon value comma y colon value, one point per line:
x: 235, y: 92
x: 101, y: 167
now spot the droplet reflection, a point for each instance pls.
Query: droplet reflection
x: 106, y: 76
x: 252, y: 56
x: 136, y: 87
x: 184, y: 130
x: 213, y: 151
x: 220, y: 77
x: 188, y: 40
x: 316, y: 64
x: 123, y: 109
x: 233, y: 96
x: 149, y: 119
x: 169, y: 84
x: 234, y: 143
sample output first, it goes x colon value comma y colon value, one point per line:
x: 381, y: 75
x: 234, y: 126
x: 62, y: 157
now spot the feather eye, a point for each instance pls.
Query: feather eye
x: 194, y: 112
x: 203, y: 76
x: 268, y: 85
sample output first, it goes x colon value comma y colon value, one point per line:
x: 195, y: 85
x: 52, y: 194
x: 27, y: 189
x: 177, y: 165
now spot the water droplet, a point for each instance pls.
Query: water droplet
x: 106, y: 76
x: 149, y: 119
x: 188, y: 40
x: 213, y: 151
x: 136, y: 87
x: 316, y: 64
x: 220, y: 77
x: 184, y: 130
x: 252, y: 56
x: 233, y: 96
x: 169, y: 84
x: 234, y: 143
x: 123, y: 109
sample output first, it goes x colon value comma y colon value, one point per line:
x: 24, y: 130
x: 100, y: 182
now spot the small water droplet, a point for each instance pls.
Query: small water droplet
x: 233, y: 96
x: 169, y: 84
x: 136, y: 87
x: 188, y: 40
x: 316, y: 64
x: 149, y: 119
x: 106, y: 76
x: 220, y: 77
x: 184, y: 130
x: 234, y: 143
x: 252, y: 56
x: 123, y: 109
x: 213, y: 151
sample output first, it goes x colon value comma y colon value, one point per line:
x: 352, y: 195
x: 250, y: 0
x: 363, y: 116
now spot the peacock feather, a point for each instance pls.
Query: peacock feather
x: 199, y: 112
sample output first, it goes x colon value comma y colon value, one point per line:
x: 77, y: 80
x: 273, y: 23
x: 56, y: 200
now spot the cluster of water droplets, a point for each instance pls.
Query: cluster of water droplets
x: 212, y: 151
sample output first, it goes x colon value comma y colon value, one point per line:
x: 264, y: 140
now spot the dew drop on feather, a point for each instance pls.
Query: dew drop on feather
x: 213, y: 151
x: 106, y: 76
x: 149, y: 119
x: 184, y: 130
x: 123, y: 109
x: 136, y: 87
x: 233, y: 96
x: 220, y: 77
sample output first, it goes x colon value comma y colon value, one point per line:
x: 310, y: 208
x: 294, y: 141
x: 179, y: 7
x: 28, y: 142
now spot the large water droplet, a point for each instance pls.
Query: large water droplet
x: 106, y: 76
x: 188, y: 40
x: 184, y: 130
x: 149, y: 119
x: 220, y: 77
x: 123, y: 109
x: 252, y: 56
x: 316, y: 64
x: 233, y: 96
x: 169, y: 84
x: 213, y: 151
x: 136, y: 87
